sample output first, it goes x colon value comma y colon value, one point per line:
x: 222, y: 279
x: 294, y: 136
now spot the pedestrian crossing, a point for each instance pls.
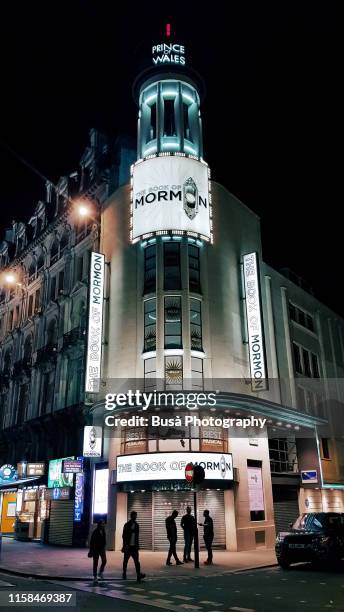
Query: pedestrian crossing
x: 143, y: 595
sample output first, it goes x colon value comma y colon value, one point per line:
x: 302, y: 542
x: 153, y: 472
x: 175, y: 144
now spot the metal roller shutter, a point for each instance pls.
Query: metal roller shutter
x: 165, y: 502
x: 286, y: 507
x: 142, y: 504
x: 61, y: 522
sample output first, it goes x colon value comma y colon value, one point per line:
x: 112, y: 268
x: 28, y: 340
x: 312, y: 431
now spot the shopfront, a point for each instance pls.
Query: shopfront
x: 154, y: 485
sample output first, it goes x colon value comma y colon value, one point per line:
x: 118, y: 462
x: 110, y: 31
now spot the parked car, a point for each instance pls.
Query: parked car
x: 317, y: 537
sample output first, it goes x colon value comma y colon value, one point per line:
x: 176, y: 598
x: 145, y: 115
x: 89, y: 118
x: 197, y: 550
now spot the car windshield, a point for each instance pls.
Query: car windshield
x: 300, y: 522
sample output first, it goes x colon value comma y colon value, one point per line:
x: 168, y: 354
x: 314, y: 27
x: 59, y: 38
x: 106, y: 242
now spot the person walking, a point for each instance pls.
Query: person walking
x: 97, y: 549
x: 130, y: 548
x: 208, y: 535
x: 188, y: 524
x: 171, y: 529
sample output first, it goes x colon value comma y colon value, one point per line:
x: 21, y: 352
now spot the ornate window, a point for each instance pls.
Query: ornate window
x: 150, y: 325
x: 174, y: 372
x: 173, y: 322
x: 196, y: 325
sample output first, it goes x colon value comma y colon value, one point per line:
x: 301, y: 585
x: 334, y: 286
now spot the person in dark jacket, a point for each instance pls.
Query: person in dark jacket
x: 131, y: 546
x: 188, y: 524
x: 171, y: 530
x: 208, y: 535
x: 97, y: 549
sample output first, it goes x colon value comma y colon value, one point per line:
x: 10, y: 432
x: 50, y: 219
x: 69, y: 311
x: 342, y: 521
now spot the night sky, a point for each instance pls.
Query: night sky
x: 272, y: 117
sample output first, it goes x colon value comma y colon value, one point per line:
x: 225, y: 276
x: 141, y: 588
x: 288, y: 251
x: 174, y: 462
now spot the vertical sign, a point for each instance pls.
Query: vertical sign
x: 256, y: 347
x: 255, y: 489
x: 95, y: 323
x: 79, y: 495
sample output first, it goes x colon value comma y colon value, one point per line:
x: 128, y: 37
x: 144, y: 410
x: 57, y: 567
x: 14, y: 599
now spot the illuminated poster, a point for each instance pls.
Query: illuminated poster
x: 100, y: 495
x: 255, y: 489
x: 95, y: 323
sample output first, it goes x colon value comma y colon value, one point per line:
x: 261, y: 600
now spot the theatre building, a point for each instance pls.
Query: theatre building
x: 191, y: 305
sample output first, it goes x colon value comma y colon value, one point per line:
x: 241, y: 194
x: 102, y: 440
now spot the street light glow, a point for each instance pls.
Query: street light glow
x: 10, y: 278
x: 83, y: 210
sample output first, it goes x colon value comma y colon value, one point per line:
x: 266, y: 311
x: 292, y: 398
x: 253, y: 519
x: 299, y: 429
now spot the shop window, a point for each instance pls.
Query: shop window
x: 150, y: 325
x: 149, y: 269
x: 325, y: 448
x: 194, y: 268
x: 196, y: 325
x: 255, y: 490
x: 172, y: 265
x: 150, y: 374
x: 173, y: 322
x: 174, y: 372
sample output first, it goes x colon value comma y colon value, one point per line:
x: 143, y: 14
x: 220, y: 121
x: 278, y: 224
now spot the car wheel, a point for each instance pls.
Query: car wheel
x: 283, y: 563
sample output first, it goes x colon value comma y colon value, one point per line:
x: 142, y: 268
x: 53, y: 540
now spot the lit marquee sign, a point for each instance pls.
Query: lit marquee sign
x: 170, y: 194
x: 171, y: 466
x: 171, y: 53
x: 95, y: 323
x: 256, y: 346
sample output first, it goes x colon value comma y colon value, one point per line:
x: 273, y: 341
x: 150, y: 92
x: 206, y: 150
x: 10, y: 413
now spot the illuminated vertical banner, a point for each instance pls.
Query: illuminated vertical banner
x: 259, y: 381
x: 95, y: 323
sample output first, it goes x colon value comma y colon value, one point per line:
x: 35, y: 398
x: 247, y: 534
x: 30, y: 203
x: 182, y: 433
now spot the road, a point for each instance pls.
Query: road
x: 268, y: 590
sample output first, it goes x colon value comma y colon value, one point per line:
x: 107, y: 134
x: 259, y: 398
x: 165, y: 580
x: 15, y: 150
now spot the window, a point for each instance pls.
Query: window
x: 174, y: 372
x: 305, y: 362
x: 173, y: 322
x: 282, y: 454
x: 10, y: 320
x: 153, y: 121
x: 172, y: 265
x: 53, y: 288
x: 255, y: 490
x: 169, y: 119
x: 37, y: 299
x: 78, y: 269
x: 61, y: 281
x: 150, y: 325
x: 186, y: 121
x: 150, y: 373
x: 196, y: 373
x: 150, y: 269
x: 196, y: 325
x: 325, y: 449
x: 30, y: 307
x: 194, y: 268
x: 301, y: 317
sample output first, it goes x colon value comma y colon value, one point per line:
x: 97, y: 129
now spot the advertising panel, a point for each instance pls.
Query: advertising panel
x: 171, y: 466
x: 92, y: 446
x: 95, y: 323
x: 56, y: 477
x: 255, y: 489
x: 72, y: 466
x: 170, y: 194
x: 100, y: 496
x: 256, y: 346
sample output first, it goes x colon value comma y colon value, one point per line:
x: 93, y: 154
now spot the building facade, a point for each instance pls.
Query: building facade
x: 189, y: 305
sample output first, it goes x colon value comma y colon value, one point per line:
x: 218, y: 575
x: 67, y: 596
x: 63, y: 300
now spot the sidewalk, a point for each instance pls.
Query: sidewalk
x: 35, y: 559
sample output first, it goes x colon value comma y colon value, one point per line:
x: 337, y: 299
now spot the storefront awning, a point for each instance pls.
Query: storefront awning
x: 33, y: 480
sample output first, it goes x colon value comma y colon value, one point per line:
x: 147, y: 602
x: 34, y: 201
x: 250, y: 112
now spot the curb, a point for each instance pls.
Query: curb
x: 78, y: 578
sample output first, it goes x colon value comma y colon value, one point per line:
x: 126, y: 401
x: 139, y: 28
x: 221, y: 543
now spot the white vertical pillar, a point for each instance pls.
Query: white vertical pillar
x: 288, y: 346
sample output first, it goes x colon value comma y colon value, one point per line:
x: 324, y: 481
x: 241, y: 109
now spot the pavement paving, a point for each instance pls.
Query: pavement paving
x: 41, y: 560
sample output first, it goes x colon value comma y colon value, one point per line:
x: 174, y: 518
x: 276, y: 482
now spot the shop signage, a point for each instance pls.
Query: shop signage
x: 309, y: 477
x: 35, y: 469
x: 79, y: 497
x: 92, y: 446
x: 256, y: 346
x: 72, y: 466
x: 56, y: 477
x: 171, y: 466
x: 172, y: 53
x: 170, y: 193
x: 95, y: 323
x: 30, y: 494
x: 101, y: 491
x: 57, y: 493
x: 8, y: 473
x: 255, y: 489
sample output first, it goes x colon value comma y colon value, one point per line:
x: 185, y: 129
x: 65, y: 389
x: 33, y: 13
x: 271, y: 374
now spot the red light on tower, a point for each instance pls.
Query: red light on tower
x: 168, y: 30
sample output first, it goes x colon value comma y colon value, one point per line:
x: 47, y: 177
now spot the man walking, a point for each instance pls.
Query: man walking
x: 171, y: 529
x: 131, y: 546
x: 208, y: 535
x: 97, y: 549
x: 188, y: 524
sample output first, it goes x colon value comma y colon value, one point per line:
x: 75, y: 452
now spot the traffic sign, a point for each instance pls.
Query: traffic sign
x: 189, y: 472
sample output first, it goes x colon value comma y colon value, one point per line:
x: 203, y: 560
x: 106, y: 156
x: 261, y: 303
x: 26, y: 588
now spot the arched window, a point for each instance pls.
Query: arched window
x: 40, y: 262
x: 64, y: 242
